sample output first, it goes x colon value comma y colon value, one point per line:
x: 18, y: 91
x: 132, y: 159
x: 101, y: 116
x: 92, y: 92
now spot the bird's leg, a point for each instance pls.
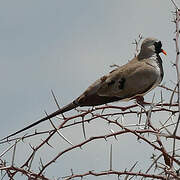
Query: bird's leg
x: 140, y: 100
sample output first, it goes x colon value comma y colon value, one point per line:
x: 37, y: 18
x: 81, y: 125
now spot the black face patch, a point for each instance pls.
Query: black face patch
x: 121, y: 83
x: 158, y: 46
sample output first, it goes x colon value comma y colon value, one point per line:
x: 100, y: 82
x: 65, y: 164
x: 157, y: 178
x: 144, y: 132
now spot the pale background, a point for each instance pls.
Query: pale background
x: 65, y: 45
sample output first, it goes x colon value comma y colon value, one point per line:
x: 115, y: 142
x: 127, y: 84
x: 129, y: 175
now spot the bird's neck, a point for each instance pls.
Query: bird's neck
x: 145, y: 54
x: 154, y: 57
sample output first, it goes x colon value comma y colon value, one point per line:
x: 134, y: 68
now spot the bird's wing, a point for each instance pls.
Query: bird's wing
x: 124, y: 83
x: 130, y: 80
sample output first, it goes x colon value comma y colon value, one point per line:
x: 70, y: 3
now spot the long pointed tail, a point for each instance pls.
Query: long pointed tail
x: 60, y: 111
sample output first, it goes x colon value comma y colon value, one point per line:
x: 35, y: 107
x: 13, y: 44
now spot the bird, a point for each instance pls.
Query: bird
x: 130, y: 81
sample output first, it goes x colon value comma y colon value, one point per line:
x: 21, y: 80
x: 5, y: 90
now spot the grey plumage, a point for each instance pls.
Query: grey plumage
x: 136, y: 78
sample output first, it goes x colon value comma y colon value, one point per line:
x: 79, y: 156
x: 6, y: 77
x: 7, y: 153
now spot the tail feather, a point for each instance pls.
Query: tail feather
x: 66, y: 108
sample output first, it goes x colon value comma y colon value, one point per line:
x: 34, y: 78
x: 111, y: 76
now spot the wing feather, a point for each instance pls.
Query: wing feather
x: 129, y: 81
x: 124, y: 83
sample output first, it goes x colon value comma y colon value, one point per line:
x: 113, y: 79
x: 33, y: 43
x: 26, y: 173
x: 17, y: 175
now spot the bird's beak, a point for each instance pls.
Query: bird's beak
x: 163, y: 51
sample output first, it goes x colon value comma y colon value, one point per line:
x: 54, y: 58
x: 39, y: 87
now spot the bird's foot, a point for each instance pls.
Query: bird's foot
x: 140, y: 100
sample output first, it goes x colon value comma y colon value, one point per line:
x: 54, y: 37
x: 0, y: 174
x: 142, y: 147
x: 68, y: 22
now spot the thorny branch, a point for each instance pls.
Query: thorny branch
x: 177, y: 21
x: 99, y: 113
x: 118, y: 173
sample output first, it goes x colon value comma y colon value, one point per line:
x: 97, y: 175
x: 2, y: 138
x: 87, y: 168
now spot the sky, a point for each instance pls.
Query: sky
x: 66, y: 45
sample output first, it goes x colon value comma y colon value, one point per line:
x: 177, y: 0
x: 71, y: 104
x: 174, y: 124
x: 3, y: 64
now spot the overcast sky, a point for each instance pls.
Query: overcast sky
x: 65, y: 45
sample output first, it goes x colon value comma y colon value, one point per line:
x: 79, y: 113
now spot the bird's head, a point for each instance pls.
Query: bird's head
x: 149, y: 47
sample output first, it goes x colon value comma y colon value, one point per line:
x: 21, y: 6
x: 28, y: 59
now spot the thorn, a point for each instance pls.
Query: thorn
x: 57, y: 130
x: 41, y: 163
x: 83, y: 128
x: 56, y: 102
x: 110, y: 162
x: 49, y: 144
x: 72, y: 172
x: 14, y: 151
x: 55, y: 99
x: 31, y: 147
